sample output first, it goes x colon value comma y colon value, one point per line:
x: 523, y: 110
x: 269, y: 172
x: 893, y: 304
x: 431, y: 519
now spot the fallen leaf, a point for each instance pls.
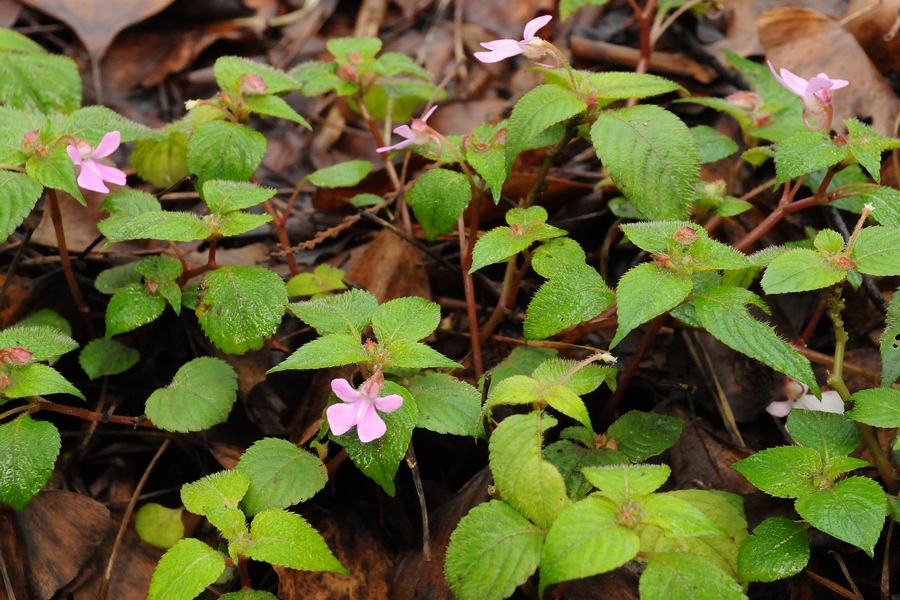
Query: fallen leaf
x: 390, y: 268
x: 9, y: 12
x: 869, y: 22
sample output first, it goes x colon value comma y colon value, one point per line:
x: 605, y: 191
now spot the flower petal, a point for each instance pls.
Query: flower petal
x: 836, y: 84
x: 500, y: 44
x: 404, y: 131
x: 780, y: 408
x: 369, y: 425
x: 90, y: 178
x: 390, y: 403
x: 343, y: 390
x: 793, y: 83
x: 107, y: 145
x: 397, y: 146
x: 110, y: 174
x: 817, y: 84
x: 74, y: 154
x: 832, y: 402
x: 341, y: 417
x: 533, y: 25
x: 428, y: 114
x: 498, y: 54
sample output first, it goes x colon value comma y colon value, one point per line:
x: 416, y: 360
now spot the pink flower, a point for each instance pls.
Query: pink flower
x: 798, y: 396
x: 93, y: 174
x: 359, y: 408
x: 419, y: 134
x: 531, y: 46
x: 814, y: 92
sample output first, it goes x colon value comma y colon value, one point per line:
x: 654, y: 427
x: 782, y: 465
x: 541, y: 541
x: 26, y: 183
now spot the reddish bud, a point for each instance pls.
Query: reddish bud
x: 252, y: 84
x: 15, y: 356
x: 685, y: 236
x: 355, y: 58
x: 843, y: 262
x: 30, y: 139
x: 662, y: 259
x: 347, y: 73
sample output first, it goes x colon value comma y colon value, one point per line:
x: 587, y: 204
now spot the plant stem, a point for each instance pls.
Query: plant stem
x: 785, y: 207
x: 87, y: 415
x: 281, y: 231
x: 413, y: 465
x: 465, y: 259
x: 56, y: 217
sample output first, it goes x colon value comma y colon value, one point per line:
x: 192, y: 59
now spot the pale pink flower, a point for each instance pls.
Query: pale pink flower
x: 419, y: 134
x: 798, y: 396
x: 815, y: 92
x: 359, y: 408
x: 93, y: 174
x: 532, y: 47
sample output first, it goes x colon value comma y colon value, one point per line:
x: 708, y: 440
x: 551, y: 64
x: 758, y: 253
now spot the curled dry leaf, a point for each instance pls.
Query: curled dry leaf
x: 870, y: 22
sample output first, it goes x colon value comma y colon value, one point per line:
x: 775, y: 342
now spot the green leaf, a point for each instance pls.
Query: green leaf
x: 515, y: 389
x: 801, y: 270
x: 241, y: 307
x: 851, y: 510
x: 829, y: 434
x: 723, y: 313
x: 20, y: 193
x: 44, y: 342
x: 36, y: 379
x: 839, y: 465
x: 124, y: 205
x: 366, y: 47
x: 273, y: 106
x: 866, y: 146
x: 28, y: 451
x: 47, y: 317
x: 804, y: 152
x: 324, y: 278
x: 890, y: 344
x: 567, y: 7
x: 345, y: 174
x: 331, y: 350
x: 523, y: 360
x: 526, y: 227
x: 414, y: 355
x: 493, y: 550
x: 346, y: 313
x: 229, y: 70
x: 224, y: 150
x: 163, y: 162
x: 223, y: 196
x: 570, y: 458
x: 17, y: 42
x: 485, y: 150
x: 114, y: 279
x: 652, y: 158
x: 537, y: 110
x: 783, y: 472
x: 586, y: 539
x: 185, y: 570
x: 438, y: 198
x: 160, y: 225
x: 645, y: 292
x: 619, y: 85
x: 55, y: 170
x: 91, y: 123
x: 713, y: 145
x: 586, y: 294
x: 131, y: 307
x: 281, y: 475
x: 248, y: 594
x: 234, y: 223
x: 446, y: 404
x: 223, y: 489
x: 40, y: 82
x: 829, y: 240
x: 568, y: 403
x: 583, y: 380
x: 408, y: 319
x: 641, y: 435
x: 106, y: 357
x: 524, y: 479
x: 557, y: 256
x: 877, y: 251
x: 681, y: 576
x: 395, y: 63
x: 626, y: 483
x: 201, y: 395
x: 379, y: 459
x: 676, y: 517
x: 879, y: 407
x: 778, y: 549
x: 159, y: 525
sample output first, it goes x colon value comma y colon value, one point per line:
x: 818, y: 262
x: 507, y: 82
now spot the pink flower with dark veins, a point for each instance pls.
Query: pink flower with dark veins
x: 531, y: 46
x: 815, y: 92
x: 798, y: 396
x: 419, y: 134
x: 93, y: 174
x: 359, y: 408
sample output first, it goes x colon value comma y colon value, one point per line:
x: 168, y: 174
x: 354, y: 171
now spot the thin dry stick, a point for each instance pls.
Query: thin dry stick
x: 844, y: 570
x: 56, y: 217
x: 413, y: 465
x: 886, y: 563
x: 842, y: 591
x: 104, y: 586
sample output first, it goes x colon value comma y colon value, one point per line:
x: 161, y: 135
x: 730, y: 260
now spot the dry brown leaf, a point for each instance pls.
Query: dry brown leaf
x: 869, y: 22
x: 390, y: 268
x: 807, y: 42
x: 9, y: 12
x: 97, y: 22
x: 79, y: 222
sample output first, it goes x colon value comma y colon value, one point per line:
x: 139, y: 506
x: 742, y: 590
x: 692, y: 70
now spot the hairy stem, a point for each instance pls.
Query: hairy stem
x: 465, y: 259
x: 56, y: 217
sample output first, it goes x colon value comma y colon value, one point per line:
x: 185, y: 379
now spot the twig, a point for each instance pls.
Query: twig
x: 413, y: 465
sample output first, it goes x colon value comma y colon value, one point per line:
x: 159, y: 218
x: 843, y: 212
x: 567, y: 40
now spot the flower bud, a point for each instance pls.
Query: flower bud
x: 252, y: 84
x: 15, y: 356
x: 685, y: 236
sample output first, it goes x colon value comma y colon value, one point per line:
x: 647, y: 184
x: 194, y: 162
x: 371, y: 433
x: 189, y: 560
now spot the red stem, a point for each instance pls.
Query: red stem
x: 87, y: 415
x: 56, y: 217
x: 465, y: 260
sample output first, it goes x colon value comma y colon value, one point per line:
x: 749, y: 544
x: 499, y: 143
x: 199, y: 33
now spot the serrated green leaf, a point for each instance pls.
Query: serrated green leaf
x: 652, y: 158
x: 248, y: 594
x: 241, y: 307
x: 866, y: 146
x: 801, y: 270
x: 201, y: 395
x: 584, y: 380
x: 879, y: 407
x: 784, y: 472
x: 877, y: 251
x: 523, y: 360
x: 713, y: 145
x: 537, y: 110
x: 656, y: 236
x: 20, y: 193
x: 524, y: 479
x: 124, y: 206
x: 234, y: 223
x: 395, y: 63
x: 273, y: 106
x: 159, y: 525
x: 324, y: 278
x: 618, y: 85
x: 55, y: 170
x: 43, y: 341
x: 778, y: 549
x: 161, y: 225
x: 556, y: 256
x: 681, y: 576
x: 641, y: 435
x: 851, y: 510
x: 829, y: 434
x: 890, y: 344
x: 839, y: 465
x: 485, y: 150
x: 36, y: 379
x: 723, y: 313
x: 829, y: 240
x: 345, y: 174
x: 281, y: 475
x: 586, y: 294
x: 438, y: 198
x: 185, y: 570
x: 346, y: 313
x: 410, y: 319
x: 676, y: 517
x: 806, y: 151
x: 46, y: 317
x: 380, y: 458
x: 493, y: 550
x: 526, y: 227
x: 232, y: 523
x: 91, y: 123
x: 586, y: 539
x: 365, y: 47
x: 223, y: 489
x: 131, y: 307
x: 626, y: 483
x: 331, y: 350
x: 224, y: 150
x: 645, y: 292
x: 163, y: 162
x: 106, y: 357
x: 229, y: 69
x: 515, y: 389
x: 446, y: 404
x: 567, y: 7
x: 40, y: 82
x: 17, y: 42
x: 415, y: 355
x: 114, y: 279
x: 28, y: 451
x: 223, y: 196
x: 570, y: 458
